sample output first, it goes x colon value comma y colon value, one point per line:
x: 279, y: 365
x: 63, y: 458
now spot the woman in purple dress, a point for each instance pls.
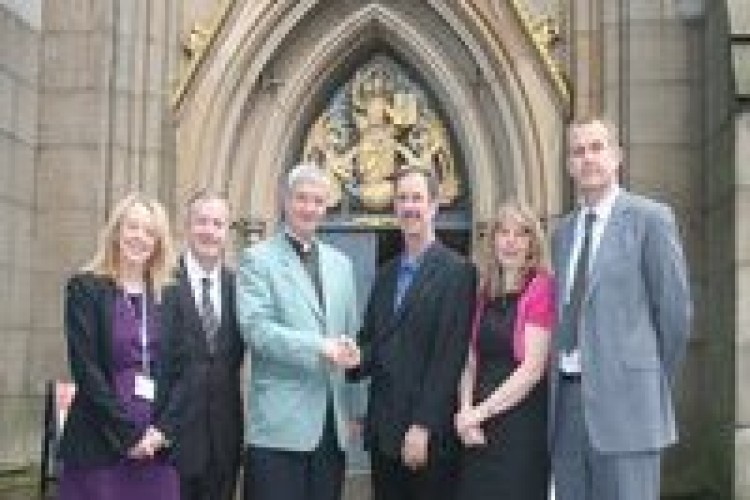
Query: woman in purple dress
x: 114, y: 440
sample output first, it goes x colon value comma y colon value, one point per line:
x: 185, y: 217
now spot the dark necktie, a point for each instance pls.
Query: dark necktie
x: 208, y: 315
x: 580, y: 283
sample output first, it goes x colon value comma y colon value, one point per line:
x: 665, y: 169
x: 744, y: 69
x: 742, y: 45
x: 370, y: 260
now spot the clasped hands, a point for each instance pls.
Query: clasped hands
x: 342, y: 352
x: 148, y: 445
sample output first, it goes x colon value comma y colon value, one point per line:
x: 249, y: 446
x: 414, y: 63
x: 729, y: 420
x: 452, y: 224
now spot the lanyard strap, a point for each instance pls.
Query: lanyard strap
x: 144, y: 338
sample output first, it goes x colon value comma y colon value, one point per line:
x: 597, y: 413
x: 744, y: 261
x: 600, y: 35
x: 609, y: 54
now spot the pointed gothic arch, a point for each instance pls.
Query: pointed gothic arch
x: 242, y: 116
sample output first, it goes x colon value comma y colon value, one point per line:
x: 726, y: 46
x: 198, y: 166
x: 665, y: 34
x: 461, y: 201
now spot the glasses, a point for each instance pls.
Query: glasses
x: 595, y: 147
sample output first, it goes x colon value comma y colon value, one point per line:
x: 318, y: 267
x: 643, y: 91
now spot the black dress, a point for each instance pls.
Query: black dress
x: 514, y: 463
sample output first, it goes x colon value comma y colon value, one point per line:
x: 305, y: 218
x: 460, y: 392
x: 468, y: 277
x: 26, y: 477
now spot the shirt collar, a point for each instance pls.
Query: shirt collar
x: 301, y: 248
x: 411, y: 263
x: 603, y: 208
x: 196, y: 272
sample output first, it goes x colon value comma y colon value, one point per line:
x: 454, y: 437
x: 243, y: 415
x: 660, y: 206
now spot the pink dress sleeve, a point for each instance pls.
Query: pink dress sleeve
x: 537, y: 308
x: 541, y: 305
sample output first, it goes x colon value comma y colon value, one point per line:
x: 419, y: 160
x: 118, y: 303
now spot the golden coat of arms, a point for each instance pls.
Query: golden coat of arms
x: 375, y: 124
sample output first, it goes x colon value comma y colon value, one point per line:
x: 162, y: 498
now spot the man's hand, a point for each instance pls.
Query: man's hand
x: 356, y: 429
x: 415, y: 446
x: 341, y: 352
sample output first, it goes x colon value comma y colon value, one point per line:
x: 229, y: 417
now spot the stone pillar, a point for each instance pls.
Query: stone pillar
x: 19, y: 56
x: 739, y: 304
x: 738, y: 298
x: 586, y: 55
x: 739, y: 125
x: 104, y: 130
x: 720, y: 227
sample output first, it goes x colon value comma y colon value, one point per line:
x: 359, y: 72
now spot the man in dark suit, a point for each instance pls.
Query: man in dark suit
x: 625, y: 313
x: 413, y: 341
x: 204, y: 340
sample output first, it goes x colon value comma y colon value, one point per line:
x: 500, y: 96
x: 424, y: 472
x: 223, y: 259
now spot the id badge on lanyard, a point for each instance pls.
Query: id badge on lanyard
x: 145, y: 386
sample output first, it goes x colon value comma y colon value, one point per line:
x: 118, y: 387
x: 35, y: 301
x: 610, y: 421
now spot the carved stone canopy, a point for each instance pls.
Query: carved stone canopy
x: 379, y: 121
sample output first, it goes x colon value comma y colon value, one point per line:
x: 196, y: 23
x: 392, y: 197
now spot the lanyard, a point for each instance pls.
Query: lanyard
x: 144, y: 337
x: 142, y: 333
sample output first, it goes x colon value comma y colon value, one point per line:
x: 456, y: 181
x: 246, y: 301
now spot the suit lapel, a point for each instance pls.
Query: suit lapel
x: 108, y: 297
x: 386, y: 293
x: 189, y: 305
x: 610, y: 241
x: 567, y: 237
x: 327, y: 282
x: 227, y: 292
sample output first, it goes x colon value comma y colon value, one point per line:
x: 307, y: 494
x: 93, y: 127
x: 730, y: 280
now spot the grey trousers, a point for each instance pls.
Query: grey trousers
x: 583, y: 473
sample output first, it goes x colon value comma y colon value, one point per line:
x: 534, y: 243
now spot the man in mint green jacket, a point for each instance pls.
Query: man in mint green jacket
x: 297, y: 312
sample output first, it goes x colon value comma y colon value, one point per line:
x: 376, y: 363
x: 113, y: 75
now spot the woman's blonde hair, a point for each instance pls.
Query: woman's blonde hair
x: 490, y: 270
x: 160, y: 266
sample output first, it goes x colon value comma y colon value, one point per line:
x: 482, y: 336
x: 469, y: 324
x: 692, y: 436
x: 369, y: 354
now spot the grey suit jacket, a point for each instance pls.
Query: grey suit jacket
x: 635, y: 321
x: 281, y: 320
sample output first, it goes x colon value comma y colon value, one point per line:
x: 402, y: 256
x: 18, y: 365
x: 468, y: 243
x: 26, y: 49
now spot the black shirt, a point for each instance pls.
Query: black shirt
x: 308, y: 255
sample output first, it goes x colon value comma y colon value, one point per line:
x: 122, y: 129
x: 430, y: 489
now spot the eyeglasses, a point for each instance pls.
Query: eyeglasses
x: 595, y: 147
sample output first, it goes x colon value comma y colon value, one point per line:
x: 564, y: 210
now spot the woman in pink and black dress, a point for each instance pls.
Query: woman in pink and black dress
x: 502, y: 419
x: 114, y: 438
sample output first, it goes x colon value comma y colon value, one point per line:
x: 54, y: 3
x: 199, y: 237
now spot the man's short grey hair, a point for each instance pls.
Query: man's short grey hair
x: 306, y: 173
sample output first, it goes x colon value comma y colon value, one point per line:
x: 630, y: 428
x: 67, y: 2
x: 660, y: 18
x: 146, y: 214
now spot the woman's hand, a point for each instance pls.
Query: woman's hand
x: 472, y: 437
x: 468, y: 417
x: 150, y: 443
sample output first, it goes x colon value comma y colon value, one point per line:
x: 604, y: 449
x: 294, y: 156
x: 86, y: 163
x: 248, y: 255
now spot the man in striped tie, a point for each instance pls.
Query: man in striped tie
x: 205, y: 353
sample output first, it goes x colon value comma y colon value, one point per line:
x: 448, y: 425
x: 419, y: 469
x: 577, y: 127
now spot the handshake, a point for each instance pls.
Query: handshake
x: 341, y: 352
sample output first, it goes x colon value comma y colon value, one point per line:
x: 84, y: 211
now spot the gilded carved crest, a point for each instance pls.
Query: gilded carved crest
x: 376, y: 123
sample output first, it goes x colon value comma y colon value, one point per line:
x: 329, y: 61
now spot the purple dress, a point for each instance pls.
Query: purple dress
x: 126, y: 479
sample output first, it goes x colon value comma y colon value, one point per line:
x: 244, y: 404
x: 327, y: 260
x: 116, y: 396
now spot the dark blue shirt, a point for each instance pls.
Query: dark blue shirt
x: 407, y: 268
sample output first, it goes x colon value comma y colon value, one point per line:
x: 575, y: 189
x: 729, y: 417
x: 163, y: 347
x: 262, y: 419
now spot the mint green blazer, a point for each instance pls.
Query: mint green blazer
x: 288, y: 382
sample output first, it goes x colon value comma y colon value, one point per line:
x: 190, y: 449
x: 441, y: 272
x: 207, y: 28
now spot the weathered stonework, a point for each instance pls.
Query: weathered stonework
x: 86, y: 116
x: 18, y: 125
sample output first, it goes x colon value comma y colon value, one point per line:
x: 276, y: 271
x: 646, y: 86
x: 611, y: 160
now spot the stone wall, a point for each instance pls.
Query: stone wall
x: 19, y: 56
x: 720, y: 227
x: 84, y: 119
x: 739, y: 125
x: 740, y: 303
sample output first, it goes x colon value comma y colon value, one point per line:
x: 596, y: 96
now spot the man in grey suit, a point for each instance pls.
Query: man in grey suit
x: 625, y: 313
x: 296, y: 309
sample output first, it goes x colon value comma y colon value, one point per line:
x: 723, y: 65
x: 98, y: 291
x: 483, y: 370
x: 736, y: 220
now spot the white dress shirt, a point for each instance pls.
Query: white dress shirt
x: 570, y: 362
x: 196, y: 273
x: 603, y: 209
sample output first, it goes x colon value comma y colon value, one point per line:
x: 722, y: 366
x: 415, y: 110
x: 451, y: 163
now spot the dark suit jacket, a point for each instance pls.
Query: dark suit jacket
x: 97, y: 430
x: 202, y: 389
x: 414, y: 356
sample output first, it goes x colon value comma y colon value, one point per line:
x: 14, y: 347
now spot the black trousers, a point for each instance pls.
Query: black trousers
x: 392, y: 480
x: 272, y: 474
x: 212, y: 485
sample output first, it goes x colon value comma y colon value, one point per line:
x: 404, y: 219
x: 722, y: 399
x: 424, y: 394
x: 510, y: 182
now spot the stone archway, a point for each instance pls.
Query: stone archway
x: 243, y: 113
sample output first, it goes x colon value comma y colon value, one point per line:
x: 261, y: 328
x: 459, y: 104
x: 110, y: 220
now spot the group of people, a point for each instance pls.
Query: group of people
x: 468, y: 381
